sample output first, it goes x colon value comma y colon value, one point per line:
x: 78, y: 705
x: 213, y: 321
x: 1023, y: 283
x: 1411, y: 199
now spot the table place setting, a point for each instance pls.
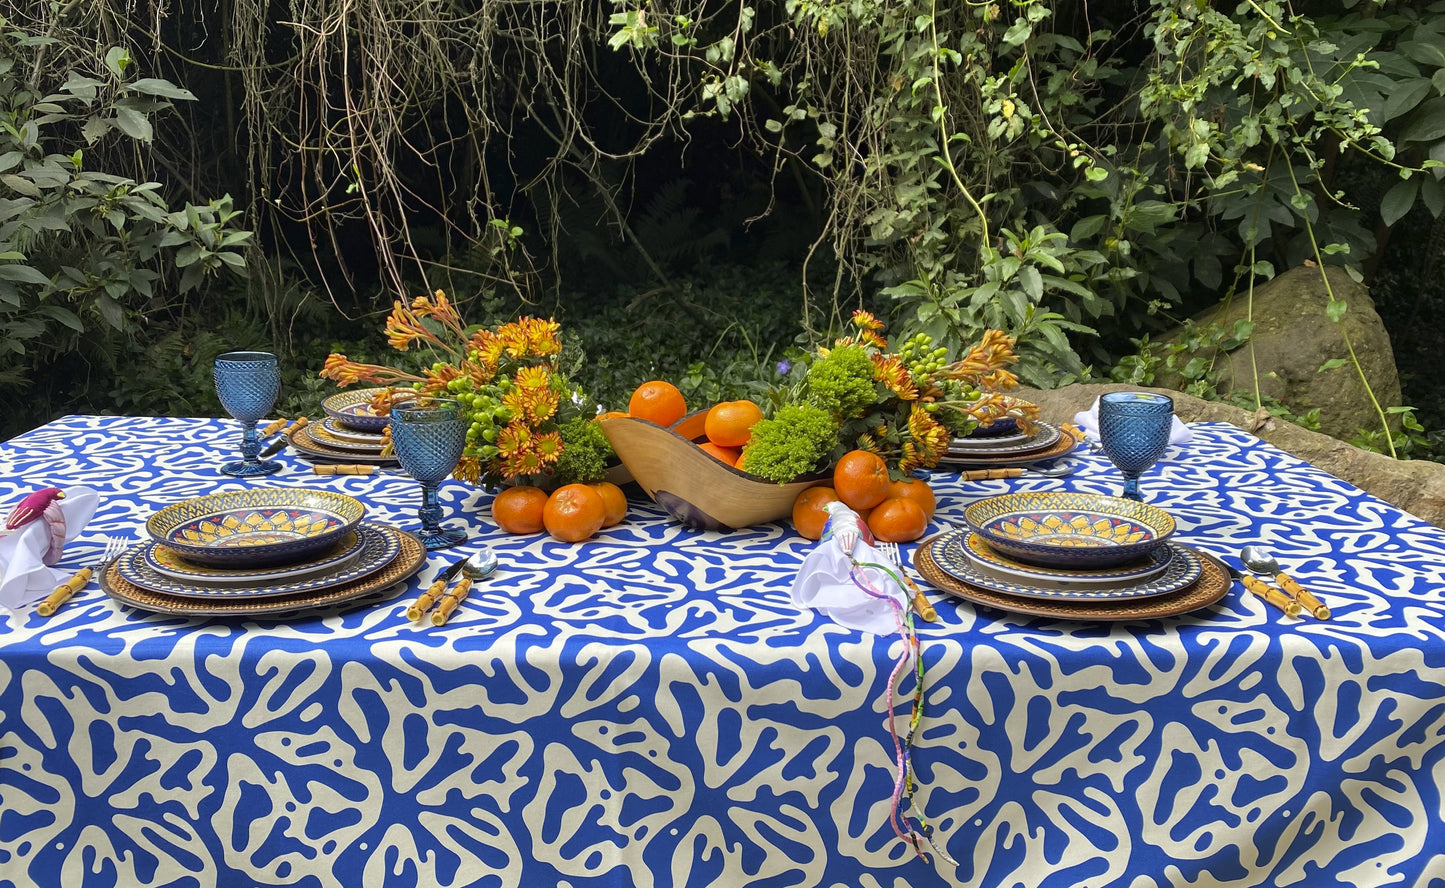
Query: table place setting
x: 262, y: 550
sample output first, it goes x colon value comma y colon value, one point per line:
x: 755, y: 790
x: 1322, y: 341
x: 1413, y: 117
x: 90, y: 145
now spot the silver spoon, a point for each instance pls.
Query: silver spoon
x: 481, y: 565
x: 1258, y: 558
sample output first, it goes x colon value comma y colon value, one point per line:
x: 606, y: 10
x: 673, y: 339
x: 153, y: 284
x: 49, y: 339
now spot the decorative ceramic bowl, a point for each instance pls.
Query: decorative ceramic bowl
x: 354, y: 409
x: 1062, y: 529
x: 255, y: 527
x: 696, y: 489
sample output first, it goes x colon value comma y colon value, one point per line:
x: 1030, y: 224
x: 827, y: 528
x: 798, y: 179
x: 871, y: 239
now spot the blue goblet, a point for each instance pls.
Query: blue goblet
x: 1134, y: 429
x: 247, y: 383
x: 428, y: 437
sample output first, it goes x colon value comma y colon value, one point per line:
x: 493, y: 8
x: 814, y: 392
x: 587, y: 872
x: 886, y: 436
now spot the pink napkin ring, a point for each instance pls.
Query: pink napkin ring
x: 42, y: 504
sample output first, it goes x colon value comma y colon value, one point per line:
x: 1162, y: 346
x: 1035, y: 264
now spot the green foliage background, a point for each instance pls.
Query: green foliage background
x: 694, y: 187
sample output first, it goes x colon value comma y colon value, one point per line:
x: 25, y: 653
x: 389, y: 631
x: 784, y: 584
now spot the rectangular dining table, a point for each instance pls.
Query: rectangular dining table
x: 649, y: 708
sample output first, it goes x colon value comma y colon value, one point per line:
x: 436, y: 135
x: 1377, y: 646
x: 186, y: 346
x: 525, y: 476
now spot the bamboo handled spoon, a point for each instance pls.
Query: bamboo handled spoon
x: 1256, y: 558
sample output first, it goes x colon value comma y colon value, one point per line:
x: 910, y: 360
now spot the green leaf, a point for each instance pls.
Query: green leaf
x: 1018, y: 33
x: 1032, y: 283
x: 20, y: 184
x: 1398, y: 200
x: 1336, y: 308
x: 1087, y: 227
x: 111, y: 311
x: 23, y: 274
x: 1428, y: 53
x: 1332, y: 364
x: 118, y: 59
x: 61, y: 314
x: 1404, y: 97
x: 133, y: 123
x: 152, y: 86
x: 94, y: 128
x: 1427, y: 123
x: 1432, y: 193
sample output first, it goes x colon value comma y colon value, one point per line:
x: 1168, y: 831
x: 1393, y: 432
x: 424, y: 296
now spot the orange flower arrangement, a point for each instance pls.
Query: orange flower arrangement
x: 906, y: 406
x: 506, y: 380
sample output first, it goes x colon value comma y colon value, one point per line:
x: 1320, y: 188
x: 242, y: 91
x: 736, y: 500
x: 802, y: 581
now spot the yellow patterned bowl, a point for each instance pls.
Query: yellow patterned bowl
x: 1074, y: 530
x: 255, y: 527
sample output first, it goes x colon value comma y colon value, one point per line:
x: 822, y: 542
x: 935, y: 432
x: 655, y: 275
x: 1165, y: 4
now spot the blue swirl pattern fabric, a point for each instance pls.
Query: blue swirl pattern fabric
x: 649, y: 709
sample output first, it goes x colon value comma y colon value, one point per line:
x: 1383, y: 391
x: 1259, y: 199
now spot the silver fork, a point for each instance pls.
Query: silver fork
x: 921, y: 605
x: 114, y: 546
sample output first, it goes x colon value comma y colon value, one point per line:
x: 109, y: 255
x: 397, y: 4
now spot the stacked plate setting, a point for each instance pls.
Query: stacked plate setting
x: 351, y: 432
x: 1004, y: 445
x: 261, y: 550
x: 1074, y: 555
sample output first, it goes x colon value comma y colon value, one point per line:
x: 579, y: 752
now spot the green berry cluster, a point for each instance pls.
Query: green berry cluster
x: 483, y: 407
x: 921, y: 358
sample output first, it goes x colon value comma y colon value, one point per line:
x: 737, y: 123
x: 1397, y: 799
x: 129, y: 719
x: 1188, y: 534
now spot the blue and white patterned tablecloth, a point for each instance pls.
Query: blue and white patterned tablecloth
x: 648, y: 708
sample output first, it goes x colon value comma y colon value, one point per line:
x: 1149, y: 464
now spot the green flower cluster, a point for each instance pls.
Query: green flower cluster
x: 797, y: 440
x: 841, y: 382
x: 585, y: 452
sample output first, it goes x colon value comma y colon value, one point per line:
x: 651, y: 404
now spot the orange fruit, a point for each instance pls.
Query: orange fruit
x: 916, y: 490
x: 657, y: 401
x: 574, y: 512
x: 861, y: 479
x: 897, y: 520
x: 519, y: 509
x: 727, y: 455
x: 810, y: 511
x: 730, y: 424
x: 614, y: 499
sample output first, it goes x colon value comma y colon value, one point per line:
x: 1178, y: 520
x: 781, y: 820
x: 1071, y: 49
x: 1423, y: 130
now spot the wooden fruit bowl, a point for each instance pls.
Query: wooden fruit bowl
x: 696, y: 489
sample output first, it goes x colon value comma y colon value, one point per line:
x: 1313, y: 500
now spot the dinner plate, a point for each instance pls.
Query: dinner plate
x: 168, y: 563
x: 960, y: 462
x: 409, y: 559
x: 322, y: 436
x: 975, y: 549
x: 1212, y: 585
x: 1181, y: 569
x: 303, y: 442
x: 380, y: 544
x: 355, y: 435
x: 353, y: 408
x: 1044, y: 435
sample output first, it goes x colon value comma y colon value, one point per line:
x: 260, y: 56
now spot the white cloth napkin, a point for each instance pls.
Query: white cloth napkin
x: 825, y: 583
x: 24, y: 576
x: 1088, y: 423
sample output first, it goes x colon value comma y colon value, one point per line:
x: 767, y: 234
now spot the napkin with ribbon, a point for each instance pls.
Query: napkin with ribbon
x: 1088, y: 423
x: 868, y: 600
x: 25, y: 575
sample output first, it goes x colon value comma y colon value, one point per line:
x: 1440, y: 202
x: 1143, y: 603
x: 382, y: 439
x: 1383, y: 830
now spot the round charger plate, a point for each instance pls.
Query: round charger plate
x: 973, y: 547
x: 1181, y: 569
x: 1045, y: 435
x: 380, y: 545
x: 1212, y: 585
x: 327, y: 438
x: 959, y: 462
x: 409, y: 559
x: 301, y: 440
x: 168, y: 563
x: 350, y: 434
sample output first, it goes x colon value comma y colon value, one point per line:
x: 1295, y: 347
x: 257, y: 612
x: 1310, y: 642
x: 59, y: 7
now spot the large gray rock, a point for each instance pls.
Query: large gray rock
x: 1294, y: 336
x: 1418, y: 487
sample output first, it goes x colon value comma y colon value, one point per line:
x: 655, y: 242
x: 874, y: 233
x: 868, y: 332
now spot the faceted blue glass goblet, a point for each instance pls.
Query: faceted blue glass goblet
x: 1134, y: 429
x: 428, y: 437
x: 248, y: 383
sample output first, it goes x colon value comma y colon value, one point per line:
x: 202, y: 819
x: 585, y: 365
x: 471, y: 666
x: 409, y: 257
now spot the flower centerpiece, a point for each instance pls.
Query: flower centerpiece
x: 906, y: 406
x: 528, y: 424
